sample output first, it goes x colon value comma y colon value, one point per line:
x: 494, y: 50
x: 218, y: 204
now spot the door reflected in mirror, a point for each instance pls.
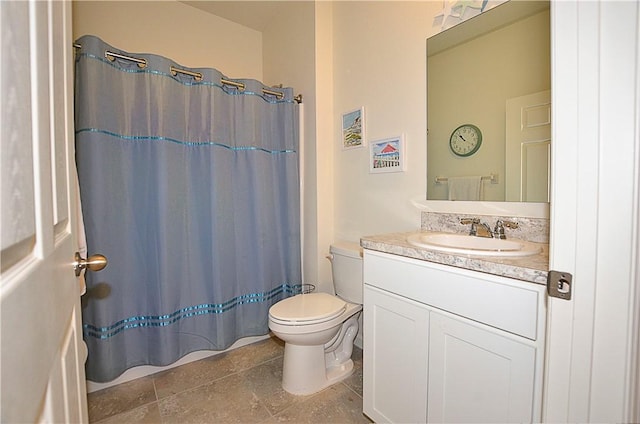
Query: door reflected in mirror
x: 494, y: 72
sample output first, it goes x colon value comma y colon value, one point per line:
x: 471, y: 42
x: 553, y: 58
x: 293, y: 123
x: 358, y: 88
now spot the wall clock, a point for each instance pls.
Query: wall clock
x: 465, y: 140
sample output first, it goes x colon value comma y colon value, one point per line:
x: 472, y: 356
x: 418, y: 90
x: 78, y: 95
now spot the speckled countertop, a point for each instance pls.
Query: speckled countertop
x: 533, y: 269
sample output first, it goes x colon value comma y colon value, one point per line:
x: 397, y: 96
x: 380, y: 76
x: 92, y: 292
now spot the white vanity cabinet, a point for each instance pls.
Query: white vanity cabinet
x: 396, y: 355
x: 443, y: 344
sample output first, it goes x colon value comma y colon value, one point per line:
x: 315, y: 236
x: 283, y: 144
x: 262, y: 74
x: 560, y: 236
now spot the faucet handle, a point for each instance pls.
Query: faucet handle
x: 498, y: 231
x: 474, y: 224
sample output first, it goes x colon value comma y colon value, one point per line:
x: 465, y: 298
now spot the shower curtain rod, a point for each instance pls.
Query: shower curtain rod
x: 142, y: 63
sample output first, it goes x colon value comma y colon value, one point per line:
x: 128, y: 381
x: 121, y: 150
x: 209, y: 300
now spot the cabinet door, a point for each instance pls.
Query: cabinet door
x: 478, y: 374
x: 395, y: 358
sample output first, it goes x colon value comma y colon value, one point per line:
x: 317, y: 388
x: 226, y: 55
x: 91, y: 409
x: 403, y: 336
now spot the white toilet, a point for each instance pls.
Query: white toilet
x: 319, y: 329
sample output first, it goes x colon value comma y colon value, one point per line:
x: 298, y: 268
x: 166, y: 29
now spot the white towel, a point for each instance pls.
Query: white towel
x: 465, y: 188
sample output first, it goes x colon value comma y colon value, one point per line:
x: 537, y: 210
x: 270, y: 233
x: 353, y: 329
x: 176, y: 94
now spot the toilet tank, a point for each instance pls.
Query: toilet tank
x: 346, y: 268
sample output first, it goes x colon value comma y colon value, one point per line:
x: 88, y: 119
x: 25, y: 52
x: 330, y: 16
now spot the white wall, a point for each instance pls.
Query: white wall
x: 380, y: 63
x: 297, y: 53
x: 175, y: 30
x: 323, y: 152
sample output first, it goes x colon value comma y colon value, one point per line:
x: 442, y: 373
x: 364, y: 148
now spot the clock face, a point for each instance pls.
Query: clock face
x: 465, y: 140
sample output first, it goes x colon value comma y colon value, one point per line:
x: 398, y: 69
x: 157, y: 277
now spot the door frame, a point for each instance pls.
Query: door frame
x: 591, y: 361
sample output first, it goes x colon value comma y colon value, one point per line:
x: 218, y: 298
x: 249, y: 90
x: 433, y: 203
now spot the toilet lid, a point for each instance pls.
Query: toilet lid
x: 308, y: 307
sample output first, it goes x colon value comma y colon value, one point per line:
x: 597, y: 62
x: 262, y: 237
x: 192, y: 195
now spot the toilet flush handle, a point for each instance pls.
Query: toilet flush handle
x: 330, y: 257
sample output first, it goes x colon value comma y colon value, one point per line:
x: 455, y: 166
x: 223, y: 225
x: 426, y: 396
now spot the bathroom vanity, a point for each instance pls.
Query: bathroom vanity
x: 448, y: 340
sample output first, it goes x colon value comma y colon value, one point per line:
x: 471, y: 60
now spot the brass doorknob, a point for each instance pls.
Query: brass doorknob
x: 92, y: 263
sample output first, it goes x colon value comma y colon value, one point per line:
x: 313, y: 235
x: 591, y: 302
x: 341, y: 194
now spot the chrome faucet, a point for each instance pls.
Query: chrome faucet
x: 478, y: 229
x: 474, y: 225
x: 498, y: 231
x: 481, y: 229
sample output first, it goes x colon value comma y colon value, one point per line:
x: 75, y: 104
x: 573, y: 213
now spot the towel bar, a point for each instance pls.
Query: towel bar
x: 493, y: 178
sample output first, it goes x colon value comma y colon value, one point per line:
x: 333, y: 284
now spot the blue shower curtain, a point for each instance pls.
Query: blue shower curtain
x: 190, y: 187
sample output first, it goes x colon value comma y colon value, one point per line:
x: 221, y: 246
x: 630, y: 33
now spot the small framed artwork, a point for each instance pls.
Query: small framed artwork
x: 387, y: 155
x: 353, y: 129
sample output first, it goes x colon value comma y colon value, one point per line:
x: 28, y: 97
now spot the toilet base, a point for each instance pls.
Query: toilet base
x: 298, y: 378
x: 317, y: 355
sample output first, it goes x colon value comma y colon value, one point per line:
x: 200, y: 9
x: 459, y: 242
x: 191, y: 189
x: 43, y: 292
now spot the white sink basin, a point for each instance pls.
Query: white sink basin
x: 471, y: 245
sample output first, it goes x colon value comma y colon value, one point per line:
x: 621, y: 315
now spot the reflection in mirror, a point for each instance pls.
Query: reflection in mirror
x: 492, y: 71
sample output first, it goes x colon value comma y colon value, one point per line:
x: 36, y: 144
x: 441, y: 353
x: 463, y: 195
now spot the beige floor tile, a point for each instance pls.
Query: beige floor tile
x: 240, y: 386
x: 335, y: 404
x: 147, y: 414
x: 224, y: 401
x: 124, y: 397
x: 257, y: 353
x: 354, y: 382
x: 265, y: 381
x: 193, y: 374
x: 206, y: 370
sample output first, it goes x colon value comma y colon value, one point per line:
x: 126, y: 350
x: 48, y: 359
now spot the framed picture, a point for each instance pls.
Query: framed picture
x: 387, y: 155
x: 353, y: 129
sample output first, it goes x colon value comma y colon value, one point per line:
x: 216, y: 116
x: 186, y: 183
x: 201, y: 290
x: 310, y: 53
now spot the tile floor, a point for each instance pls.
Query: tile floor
x: 239, y: 386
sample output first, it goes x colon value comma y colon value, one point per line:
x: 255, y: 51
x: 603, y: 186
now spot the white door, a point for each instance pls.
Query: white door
x: 528, y: 139
x: 42, y: 351
x: 591, y: 365
x: 479, y: 374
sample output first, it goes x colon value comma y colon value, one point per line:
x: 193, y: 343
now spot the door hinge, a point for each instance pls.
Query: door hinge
x: 559, y: 284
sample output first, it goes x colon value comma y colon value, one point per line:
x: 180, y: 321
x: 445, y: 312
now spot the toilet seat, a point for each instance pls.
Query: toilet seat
x: 307, y: 309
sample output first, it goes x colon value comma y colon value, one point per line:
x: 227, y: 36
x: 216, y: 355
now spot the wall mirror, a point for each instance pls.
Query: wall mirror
x: 492, y: 71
